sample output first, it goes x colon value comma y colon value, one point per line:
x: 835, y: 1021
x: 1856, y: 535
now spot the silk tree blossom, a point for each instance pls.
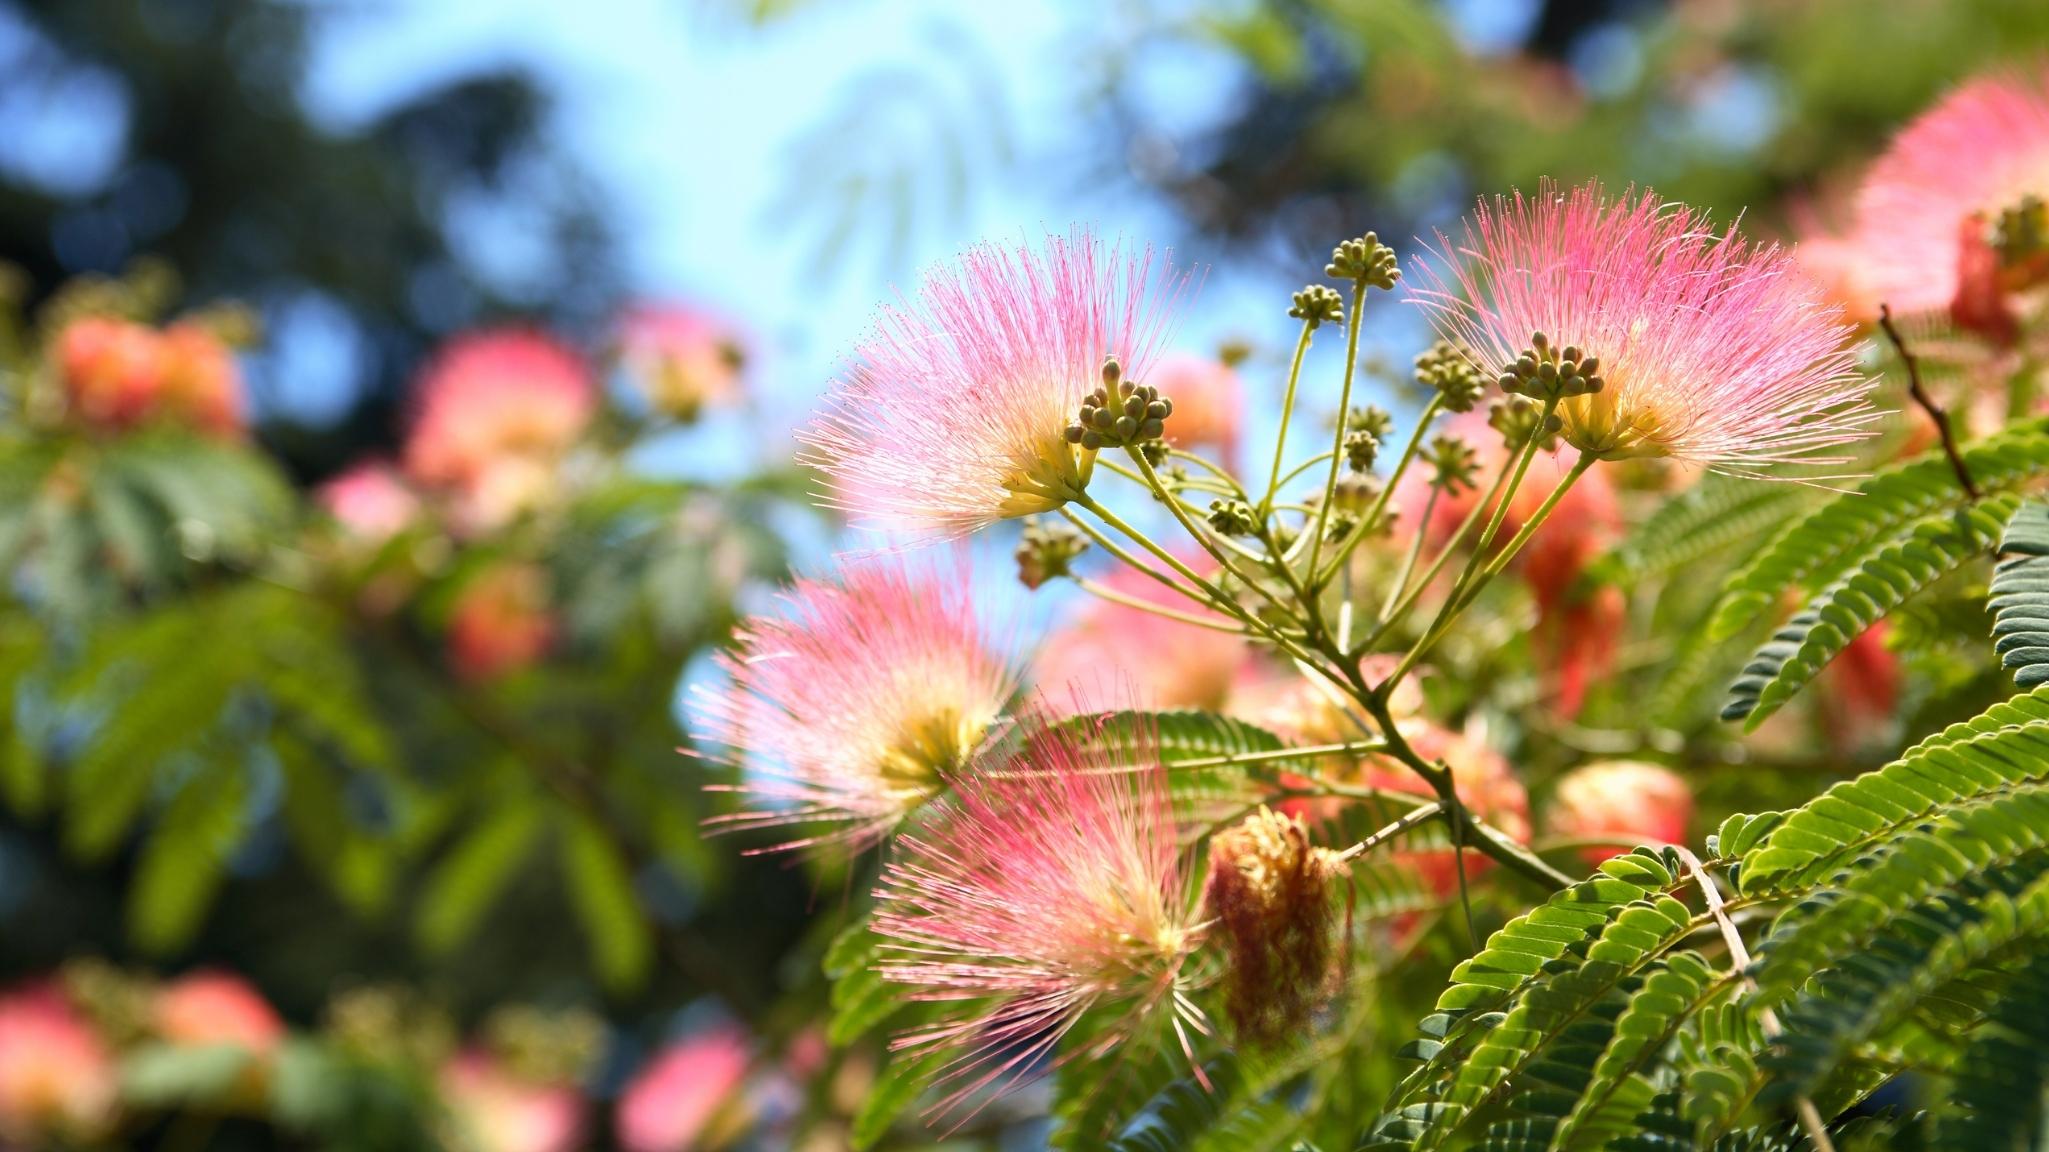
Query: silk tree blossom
x: 675, y: 1098
x: 682, y: 359
x: 955, y: 413
x: 1658, y: 336
x: 1621, y: 798
x: 1050, y: 885
x: 492, y: 1108
x: 371, y: 501
x: 497, y: 411
x: 118, y: 374
x: 59, y: 1081
x: 207, y: 1008
x: 1209, y: 402
x: 859, y: 702
x: 1953, y: 215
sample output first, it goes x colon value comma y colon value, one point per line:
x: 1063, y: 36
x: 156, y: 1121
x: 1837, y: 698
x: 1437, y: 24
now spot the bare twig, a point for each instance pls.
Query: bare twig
x: 1739, y: 956
x: 1927, y: 403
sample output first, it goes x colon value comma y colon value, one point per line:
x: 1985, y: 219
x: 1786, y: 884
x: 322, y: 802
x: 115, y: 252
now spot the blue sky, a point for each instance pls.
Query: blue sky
x: 688, y: 118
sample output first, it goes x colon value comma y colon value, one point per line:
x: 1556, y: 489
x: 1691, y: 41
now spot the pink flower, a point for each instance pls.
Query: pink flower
x: 1624, y: 798
x: 954, y: 416
x: 501, y: 622
x: 681, y: 1089
x: 497, y: 411
x: 110, y: 370
x: 57, y: 1078
x: 494, y: 1110
x: 1705, y: 348
x: 206, y: 1008
x: 118, y: 374
x: 202, y: 384
x: 861, y: 701
x: 682, y: 359
x: 1930, y: 208
x: 371, y: 500
x: 1859, y: 689
x: 1840, y: 265
x: 1162, y: 663
x: 1209, y: 403
x: 1050, y: 885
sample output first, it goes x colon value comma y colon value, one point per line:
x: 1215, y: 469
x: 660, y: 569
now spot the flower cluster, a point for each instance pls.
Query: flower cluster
x: 119, y: 374
x: 74, y: 1047
x: 955, y: 413
x: 862, y: 702
x: 1709, y: 349
x: 1051, y: 884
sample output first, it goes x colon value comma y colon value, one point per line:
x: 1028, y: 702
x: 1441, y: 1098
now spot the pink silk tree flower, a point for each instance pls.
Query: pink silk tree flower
x: 1621, y: 798
x: 1953, y: 215
x: 682, y: 359
x: 860, y: 701
x: 371, y: 501
x: 493, y: 1109
x: 1657, y: 336
x: 496, y: 412
x: 955, y: 413
x: 208, y: 1008
x: 1050, y: 884
x: 1209, y: 403
x: 202, y: 383
x: 502, y: 622
x: 668, y: 1105
x: 59, y: 1081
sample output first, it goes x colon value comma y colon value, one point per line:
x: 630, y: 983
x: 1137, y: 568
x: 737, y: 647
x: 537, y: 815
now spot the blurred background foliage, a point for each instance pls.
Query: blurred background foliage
x: 237, y: 736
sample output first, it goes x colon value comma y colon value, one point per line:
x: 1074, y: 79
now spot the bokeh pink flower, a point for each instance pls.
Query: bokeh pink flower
x: 502, y: 621
x: 59, y: 1082
x: 671, y: 1101
x: 1209, y: 403
x: 682, y: 359
x: 954, y: 413
x: 1930, y: 208
x: 371, y: 500
x: 1051, y: 884
x: 1160, y: 662
x: 118, y: 374
x: 860, y: 701
x: 1708, y: 349
x: 497, y: 411
x: 211, y: 1007
x: 493, y: 1109
x: 1629, y: 799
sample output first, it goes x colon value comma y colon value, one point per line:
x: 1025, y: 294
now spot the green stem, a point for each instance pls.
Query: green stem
x: 1337, y: 448
x: 1273, y: 483
x: 1408, y: 602
x: 1461, y: 598
x: 1400, y: 584
x: 1306, y: 752
x: 1104, y: 542
x: 1396, y: 827
x: 1379, y: 508
x: 1152, y: 480
x: 1105, y: 592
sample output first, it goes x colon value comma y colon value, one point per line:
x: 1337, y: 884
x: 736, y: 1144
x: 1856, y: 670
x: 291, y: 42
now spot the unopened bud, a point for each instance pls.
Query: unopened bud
x: 1046, y: 550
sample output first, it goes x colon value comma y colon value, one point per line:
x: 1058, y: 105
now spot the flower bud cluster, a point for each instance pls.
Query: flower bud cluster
x: 1136, y: 415
x: 1546, y: 372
